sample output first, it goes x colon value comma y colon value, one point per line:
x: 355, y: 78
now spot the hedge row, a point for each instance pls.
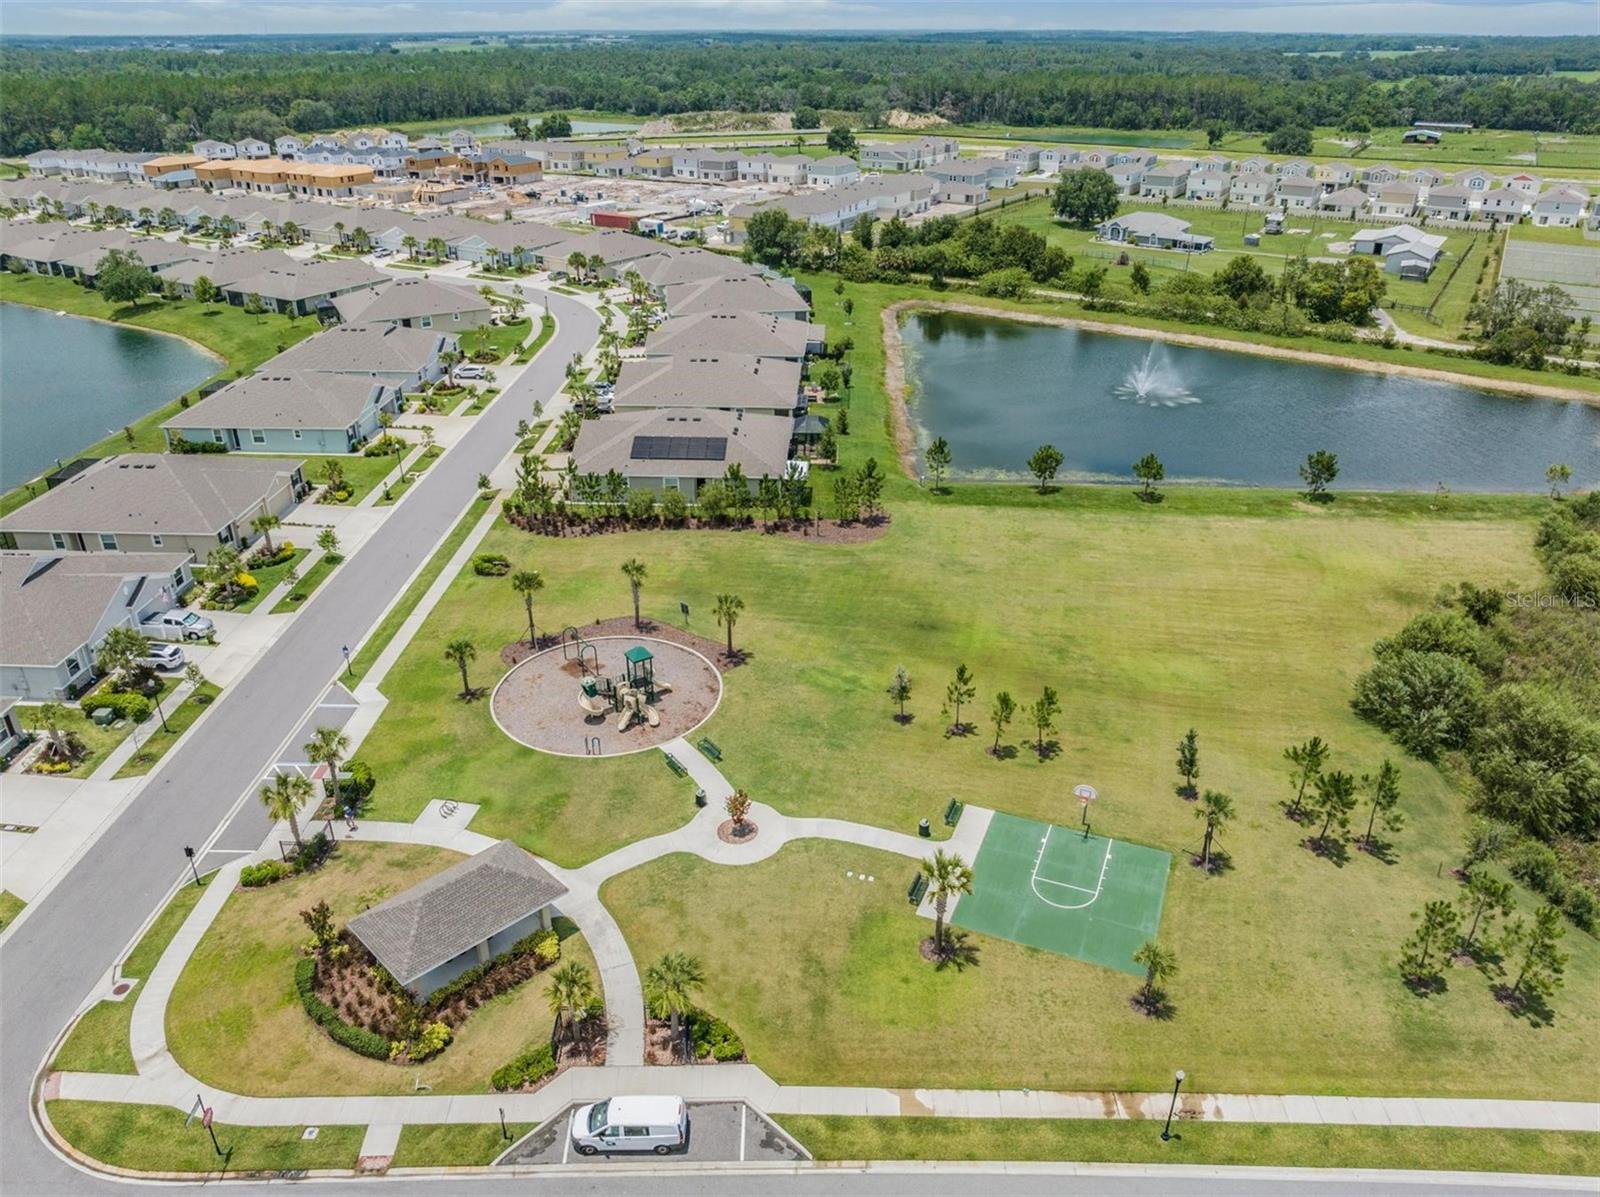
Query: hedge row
x: 710, y: 1036
x: 544, y: 946
x: 357, y: 1039
x: 530, y: 1067
x: 127, y: 706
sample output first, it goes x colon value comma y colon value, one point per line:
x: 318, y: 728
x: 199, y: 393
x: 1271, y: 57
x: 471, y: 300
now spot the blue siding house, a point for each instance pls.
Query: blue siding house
x: 291, y: 411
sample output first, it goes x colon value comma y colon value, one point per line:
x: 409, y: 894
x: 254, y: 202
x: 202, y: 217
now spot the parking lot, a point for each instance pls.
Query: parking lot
x: 719, y: 1132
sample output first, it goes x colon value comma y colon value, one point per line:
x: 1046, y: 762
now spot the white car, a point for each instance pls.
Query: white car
x: 178, y: 624
x: 167, y: 657
x: 658, y: 1124
x: 470, y: 372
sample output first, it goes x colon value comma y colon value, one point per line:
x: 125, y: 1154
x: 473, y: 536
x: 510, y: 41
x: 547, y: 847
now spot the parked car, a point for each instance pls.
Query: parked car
x: 658, y: 1124
x: 470, y: 372
x: 178, y: 624
x: 167, y: 657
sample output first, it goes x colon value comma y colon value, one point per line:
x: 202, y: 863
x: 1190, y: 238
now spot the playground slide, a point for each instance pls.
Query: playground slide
x: 593, y: 706
x: 653, y: 715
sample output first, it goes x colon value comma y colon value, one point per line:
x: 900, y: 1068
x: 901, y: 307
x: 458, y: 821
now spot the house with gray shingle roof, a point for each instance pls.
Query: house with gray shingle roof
x: 736, y: 382
x: 417, y: 303
x: 403, y: 357
x: 305, y: 286
x: 157, y: 502
x: 660, y: 450
x: 743, y: 333
x: 280, y: 411
x: 464, y: 916
x: 1155, y: 230
x: 59, y: 607
x: 770, y: 297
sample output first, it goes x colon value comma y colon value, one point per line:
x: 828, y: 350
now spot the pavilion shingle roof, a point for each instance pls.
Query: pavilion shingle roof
x: 456, y: 910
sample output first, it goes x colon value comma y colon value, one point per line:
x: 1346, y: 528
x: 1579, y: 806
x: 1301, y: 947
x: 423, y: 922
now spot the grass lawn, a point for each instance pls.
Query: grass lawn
x: 154, y: 1139
x: 267, y: 579
x: 236, y: 1022
x: 309, y: 581
x: 1550, y: 235
x: 10, y: 907
x: 98, y: 1042
x: 454, y: 1145
x: 384, y: 632
x: 413, y: 471
x: 179, y: 719
x: 504, y: 339
x: 98, y: 741
x: 361, y: 474
x: 1435, y: 1148
x: 242, y: 341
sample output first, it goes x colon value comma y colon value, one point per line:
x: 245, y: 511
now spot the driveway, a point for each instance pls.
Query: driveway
x: 100, y: 905
x: 719, y: 1132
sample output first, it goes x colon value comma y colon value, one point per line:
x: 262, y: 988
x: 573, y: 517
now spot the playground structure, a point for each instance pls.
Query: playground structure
x: 631, y: 696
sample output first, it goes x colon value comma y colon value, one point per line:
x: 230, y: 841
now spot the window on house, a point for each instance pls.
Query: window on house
x: 155, y: 541
x: 226, y: 535
x: 257, y: 437
x: 425, y: 322
x: 73, y: 666
x: 108, y: 542
x: 216, y: 435
x: 177, y: 579
x: 57, y: 541
x: 297, y: 434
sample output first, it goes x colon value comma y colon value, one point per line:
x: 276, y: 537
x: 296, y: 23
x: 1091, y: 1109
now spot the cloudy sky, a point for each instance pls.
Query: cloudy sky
x: 1433, y: 18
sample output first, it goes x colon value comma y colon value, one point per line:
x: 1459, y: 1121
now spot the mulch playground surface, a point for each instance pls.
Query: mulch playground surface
x: 537, y: 702
x: 1088, y: 897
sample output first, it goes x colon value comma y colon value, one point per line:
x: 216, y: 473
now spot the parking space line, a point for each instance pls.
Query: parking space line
x: 744, y: 1112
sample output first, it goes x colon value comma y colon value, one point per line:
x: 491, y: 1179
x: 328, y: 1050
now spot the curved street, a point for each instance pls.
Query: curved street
x: 52, y: 959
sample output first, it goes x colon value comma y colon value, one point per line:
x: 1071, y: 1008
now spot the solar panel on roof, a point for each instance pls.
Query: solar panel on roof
x: 679, y: 448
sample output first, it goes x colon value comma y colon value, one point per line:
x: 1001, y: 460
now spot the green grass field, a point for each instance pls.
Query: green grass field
x: 453, y: 1145
x: 1432, y: 1148
x: 159, y: 739
x: 10, y: 907
x: 307, y: 586
x: 154, y: 1139
x: 236, y: 1022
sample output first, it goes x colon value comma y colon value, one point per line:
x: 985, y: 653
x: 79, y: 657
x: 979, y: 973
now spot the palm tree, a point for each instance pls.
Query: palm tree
x: 438, y: 248
x: 948, y: 875
x: 1215, y: 810
x: 290, y: 232
x: 338, y: 228
x: 409, y: 244
x: 59, y: 747
x: 527, y: 583
x: 669, y: 988
x: 222, y: 565
x: 450, y: 359
x: 577, y: 263
x: 728, y: 608
x: 264, y: 524
x: 634, y: 570
x: 327, y: 746
x: 571, y: 989
x: 1159, y: 964
x: 461, y: 652
x: 283, y: 797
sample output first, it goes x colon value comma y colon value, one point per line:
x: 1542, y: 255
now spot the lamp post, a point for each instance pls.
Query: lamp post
x: 1177, y: 1083
x: 189, y: 852
x: 349, y: 672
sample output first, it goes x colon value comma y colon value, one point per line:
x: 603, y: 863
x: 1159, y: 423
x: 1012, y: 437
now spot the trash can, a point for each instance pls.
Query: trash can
x: 924, y: 829
x: 699, y: 797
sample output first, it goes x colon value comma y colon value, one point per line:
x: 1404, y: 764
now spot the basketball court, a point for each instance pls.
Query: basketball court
x: 1066, y: 891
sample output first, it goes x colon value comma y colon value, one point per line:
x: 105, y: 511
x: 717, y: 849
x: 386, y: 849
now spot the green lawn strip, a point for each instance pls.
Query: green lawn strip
x: 10, y: 907
x: 180, y: 718
x: 390, y: 624
x: 98, y: 1041
x: 527, y: 443
x: 504, y: 339
x: 235, y: 1020
x: 1475, y: 1149
x: 268, y: 578
x: 361, y: 474
x: 154, y: 1139
x: 98, y: 741
x: 413, y: 471
x: 1550, y: 235
x: 454, y: 1145
x: 244, y: 342
x: 309, y: 581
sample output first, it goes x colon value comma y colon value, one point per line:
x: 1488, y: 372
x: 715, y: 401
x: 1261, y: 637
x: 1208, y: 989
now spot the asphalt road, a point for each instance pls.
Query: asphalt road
x: 52, y: 960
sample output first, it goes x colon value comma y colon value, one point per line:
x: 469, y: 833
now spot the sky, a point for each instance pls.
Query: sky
x: 1433, y: 19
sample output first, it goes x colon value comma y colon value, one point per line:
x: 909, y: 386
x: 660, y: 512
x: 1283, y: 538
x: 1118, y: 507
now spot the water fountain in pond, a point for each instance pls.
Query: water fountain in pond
x: 1154, y: 382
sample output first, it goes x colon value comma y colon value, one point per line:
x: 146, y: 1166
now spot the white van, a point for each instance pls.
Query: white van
x: 658, y: 1124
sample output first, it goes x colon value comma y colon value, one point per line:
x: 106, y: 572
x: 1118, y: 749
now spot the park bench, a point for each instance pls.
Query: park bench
x: 952, y: 813
x: 919, y: 886
x: 676, y: 766
x: 710, y: 749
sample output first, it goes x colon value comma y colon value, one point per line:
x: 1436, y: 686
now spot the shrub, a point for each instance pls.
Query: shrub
x: 265, y: 873
x: 282, y: 551
x: 710, y: 1036
x: 357, y: 781
x: 357, y: 1039
x: 433, y: 1039
x: 529, y: 1068
x: 181, y: 445
x: 546, y: 947
x: 127, y: 706
x: 1535, y: 865
x: 1582, y: 907
x: 312, y: 851
x: 491, y: 565
x: 1427, y: 701
x: 1447, y: 632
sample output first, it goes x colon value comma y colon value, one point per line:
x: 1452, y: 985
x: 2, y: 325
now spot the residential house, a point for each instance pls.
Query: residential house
x: 1026, y: 158
x: 1374, y: 178
x: 1298, y: 194
x: 679, y: 268
x: 1127, y: 177
x: 1056, y: 158
x: 1560, y: 207
x: 733, y: 382
x: 213, y: 151
x: 1170, y: 180
x: 661, y: 450
x: 616, y: 248
x: 1448, y: 203
x: 1477, y: 180
x: 403, y: 358
x: 1397, y: 199
x: 1529, y: 185
x: 1405, y: 249
x: 764, y: 296
x: 1345, y: 204
x: 951, y: 191
x: 417, y: 303
x: 61, y: 606
x: 907, y: 155
x: 1208, y: 185
x: 1503, y: 205
x: 1215, y: 162
x: 1144, y: 159
x: 459, y: 918
x: 253, y: 147
x: 975, y: 172
x: 1252, y: 187
x: 1425, y: 176
x: 278, y: 411
x: 288, y: 147
x: 1155, y: 230
x: 1293, y: 168
x: 172, y: 502
x: 13, y: 738
x: 1334, y: 176
x: 1255, y: 166
x: 744, y: 334
x: 306, y: 286
x: 651, y: 164
x: 1097, y: 159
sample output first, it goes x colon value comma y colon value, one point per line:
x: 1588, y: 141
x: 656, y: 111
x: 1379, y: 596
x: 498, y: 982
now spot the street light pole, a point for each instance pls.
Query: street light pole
x: 349, y: 672
x: 189, y: 852
x: 1177, y: 1082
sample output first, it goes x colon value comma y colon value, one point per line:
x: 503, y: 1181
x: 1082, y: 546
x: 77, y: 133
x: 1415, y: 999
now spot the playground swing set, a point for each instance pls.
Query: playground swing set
x: 630, y: 696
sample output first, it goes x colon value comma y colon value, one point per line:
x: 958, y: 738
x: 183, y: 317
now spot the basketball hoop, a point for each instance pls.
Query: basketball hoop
x: 1085, y: 795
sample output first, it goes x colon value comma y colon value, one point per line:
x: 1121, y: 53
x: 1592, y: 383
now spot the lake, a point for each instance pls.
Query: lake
x: 484, y: 129
x: 67, y: 382
x: 997, y: 389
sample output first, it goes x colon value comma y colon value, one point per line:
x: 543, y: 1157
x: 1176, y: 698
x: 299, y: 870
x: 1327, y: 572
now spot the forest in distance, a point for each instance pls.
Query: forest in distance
x: 154, y: 94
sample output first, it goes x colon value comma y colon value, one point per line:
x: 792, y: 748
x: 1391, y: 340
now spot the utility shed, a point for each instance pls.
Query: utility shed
x: 471, y: 912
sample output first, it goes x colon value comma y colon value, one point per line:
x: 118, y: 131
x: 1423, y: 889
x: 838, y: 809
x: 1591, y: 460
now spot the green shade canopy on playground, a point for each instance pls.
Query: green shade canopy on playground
x: 637, y: 654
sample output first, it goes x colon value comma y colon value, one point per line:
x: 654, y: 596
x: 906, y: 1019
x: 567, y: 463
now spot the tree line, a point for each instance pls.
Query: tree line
x: 145, y: 96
